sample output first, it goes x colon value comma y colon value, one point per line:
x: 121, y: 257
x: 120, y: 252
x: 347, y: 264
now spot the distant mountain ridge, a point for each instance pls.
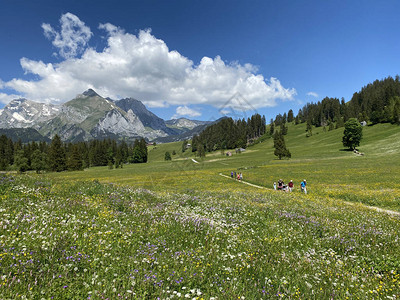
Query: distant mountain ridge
x: 24, y: 135
x: 184, y: 123
x: 186, y: 134
x: 90, y: 116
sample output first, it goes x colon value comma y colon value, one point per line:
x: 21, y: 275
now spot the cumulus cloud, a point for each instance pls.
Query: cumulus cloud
x: 72, y: 38
x: 141, y: 66
x: 185, y: 111
x: 6, y: 98
x: 313, y: 94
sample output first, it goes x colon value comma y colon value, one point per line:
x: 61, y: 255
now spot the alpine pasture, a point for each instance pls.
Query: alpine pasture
x: 176, y: 229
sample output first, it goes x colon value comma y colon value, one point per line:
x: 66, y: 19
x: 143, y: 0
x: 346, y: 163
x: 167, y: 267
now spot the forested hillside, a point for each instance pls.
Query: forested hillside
x: 59, y: 156
x: 377, y: 102
x: 229, y: 134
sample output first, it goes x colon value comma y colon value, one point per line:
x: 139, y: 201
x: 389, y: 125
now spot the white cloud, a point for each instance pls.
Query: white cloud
x: 185, y: 111
x: 313, y: 94
x: 143, y: 67
x: 73, y: 37
x: 6, y: 98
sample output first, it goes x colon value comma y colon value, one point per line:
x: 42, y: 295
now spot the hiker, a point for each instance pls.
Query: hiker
x: 275, y: 186
x: 240, y: 176
x: 232, y: 174
x: 280, y: 185
x: 235, y: 175
x: 290, y: 185
x: 303, y: 186
x: 284, y: 186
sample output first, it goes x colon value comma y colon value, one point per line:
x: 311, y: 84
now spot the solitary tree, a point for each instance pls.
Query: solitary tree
x: 352, y: 134
x: 167, y: 156
x: 280, y: 146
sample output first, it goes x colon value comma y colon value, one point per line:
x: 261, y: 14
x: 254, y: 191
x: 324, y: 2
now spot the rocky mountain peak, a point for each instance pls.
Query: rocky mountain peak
x: 17, y: 102
x: 90, y: 93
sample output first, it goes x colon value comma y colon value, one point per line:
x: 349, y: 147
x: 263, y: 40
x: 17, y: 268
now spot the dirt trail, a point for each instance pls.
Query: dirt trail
x: 248, y: 183
x: 387, y: 211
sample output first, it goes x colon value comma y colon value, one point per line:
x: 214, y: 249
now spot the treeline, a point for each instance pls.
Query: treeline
x: 378, y: 102
x: 58, y: 156
x: 229, y: 134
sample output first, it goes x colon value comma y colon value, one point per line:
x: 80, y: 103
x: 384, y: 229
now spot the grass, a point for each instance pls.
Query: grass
x: 178, y: 230
x: 330, y: 170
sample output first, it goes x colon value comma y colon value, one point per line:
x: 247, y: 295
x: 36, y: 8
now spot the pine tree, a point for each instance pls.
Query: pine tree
x: 308, y: 128
x: 167, y: 156
x: 38, y: 162
x: 271, y: 127
x: 280, y: 146
x: 195, y: 141
x: 139, y: 153
x: 75, y: 162
x: 201, y: 152
x: 284, y: 128
x: 184, y: 145
x: 57, y: 159
x: 290, y: 116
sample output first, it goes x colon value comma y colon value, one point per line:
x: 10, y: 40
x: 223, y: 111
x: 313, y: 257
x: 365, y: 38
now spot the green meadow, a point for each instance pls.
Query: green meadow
x: 178, y: 229
x: 321, y: 159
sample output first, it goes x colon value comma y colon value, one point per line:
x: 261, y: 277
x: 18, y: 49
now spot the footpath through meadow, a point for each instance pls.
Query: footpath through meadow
x: 390, y: 212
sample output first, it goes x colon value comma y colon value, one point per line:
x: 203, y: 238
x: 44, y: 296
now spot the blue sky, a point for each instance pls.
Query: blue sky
x: 198, y: 59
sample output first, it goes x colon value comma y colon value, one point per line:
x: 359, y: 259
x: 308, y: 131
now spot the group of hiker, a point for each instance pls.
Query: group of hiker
x: 281, y: 186
x: 238, y: 176
x: 289, y: 187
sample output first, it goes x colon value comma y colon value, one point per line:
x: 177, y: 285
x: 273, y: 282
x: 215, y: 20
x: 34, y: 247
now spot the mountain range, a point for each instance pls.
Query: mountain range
x: 89, y: 116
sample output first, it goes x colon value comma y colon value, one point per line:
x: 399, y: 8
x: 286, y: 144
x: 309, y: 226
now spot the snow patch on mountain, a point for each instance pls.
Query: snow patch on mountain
x: 20, y: 118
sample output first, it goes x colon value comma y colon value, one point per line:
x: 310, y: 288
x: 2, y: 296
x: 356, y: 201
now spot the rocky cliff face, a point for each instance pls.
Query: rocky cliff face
x: 147, y: 118
x: 115, y: 122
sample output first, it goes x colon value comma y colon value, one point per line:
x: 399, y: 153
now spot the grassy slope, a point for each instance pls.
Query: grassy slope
x: 321, y: 159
